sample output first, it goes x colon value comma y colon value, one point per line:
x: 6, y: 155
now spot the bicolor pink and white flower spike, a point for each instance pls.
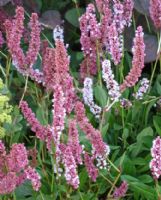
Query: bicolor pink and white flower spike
x: 155, y: 164
x: 111, y: 83
x: 88, y: 97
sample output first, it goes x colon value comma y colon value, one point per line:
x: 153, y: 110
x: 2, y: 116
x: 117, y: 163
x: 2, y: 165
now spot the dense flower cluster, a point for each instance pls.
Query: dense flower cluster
x: 1, y: 39
x: 34, y: 45
x: 58, y: 34
x: 121, y: 191
x: 95, y: 36
x: 113, y: 22
x: 14, y: 31
x: 70, y: 166
x: 91, y: 169
x: 59, y: 114
x: 88, y: 97
x: 100, y: 150
x: 32, y: 175
x: 73, y: 142
x: 155, y: 12
x: 92, y: 134
x: 111, y: 84
x: 144, y: 86
x: 137, y: 62
x: 15, y: 169
x: 155, y: 164
x: 56, y: 79
x: 42, y: 132
x: 115, y: 44
x: 90, y: 35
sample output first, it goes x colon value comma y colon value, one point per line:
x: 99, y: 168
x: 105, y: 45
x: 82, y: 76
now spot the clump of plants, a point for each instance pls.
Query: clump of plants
x: 89, y: 132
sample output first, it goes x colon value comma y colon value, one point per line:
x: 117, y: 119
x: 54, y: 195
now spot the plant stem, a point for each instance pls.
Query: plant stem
x: 25, y: 89
x: 98, y: 64
x: 2, y: 70
x: 157, y: 189
x: 152, y: 76
x: 111, y: 163
x: 113, y: 185
x: 107, y: 108
x: 106, y: 179
x: 146, y: 18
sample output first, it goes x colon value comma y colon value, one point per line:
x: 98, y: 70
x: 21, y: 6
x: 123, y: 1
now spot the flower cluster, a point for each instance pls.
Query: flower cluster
x: 88, y: 97
x: 70, y: 166
x: 58, y: 33
x: 73, y: 142
x: 56, y: 70
x: 155, y: 164
x: 121, y: 191
x: 111, y: 84
x: 144, y: 86
x: 95, y: 36
x: 137, y: 62
x: 15, y: 169
x: 14, y: 31
x: 90, y: 35
x: 59, y: 114
x: 113, y: 24
x: 91, y: 169
x: 56, y: 78
x: 155, y: 12
x: 100, y: 150
x: 32, y: 175
x: 1, y: 39
x: 115, y: 44
x: 125, y: 103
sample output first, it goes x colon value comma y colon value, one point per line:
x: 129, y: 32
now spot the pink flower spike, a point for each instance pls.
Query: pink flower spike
x: 70, y: 166
x: 49, y: 68
x: 1, y: 39
x: 14, y: 30
x: 73, y: 142
x: 137, y: 62
x: 100, y: 149
x: 91, y: 169
x: 8, y: 183
x: 128, y: 8
x: 115, y: 44
x: 34, y: 45
x: 90, y: 34
x: 155, y: 164
x: 34, y: 177
x: 18, y: 158
x: 59, y: 114
x: 121, y: 191
x: 155, y: 12
x: 32, y: 120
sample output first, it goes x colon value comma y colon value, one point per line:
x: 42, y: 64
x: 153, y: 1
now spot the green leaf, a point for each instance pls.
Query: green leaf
x: 157, y: 124
x: 142, y: 189
x: 100, y: 95
x: 145, y: 178
x: 72, y: 16
x: 127, y: 166
x: 145, y: 132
